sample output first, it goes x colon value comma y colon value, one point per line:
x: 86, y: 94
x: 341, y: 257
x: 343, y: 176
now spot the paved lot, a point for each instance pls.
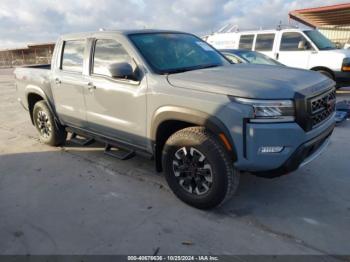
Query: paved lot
x: 75, y: 200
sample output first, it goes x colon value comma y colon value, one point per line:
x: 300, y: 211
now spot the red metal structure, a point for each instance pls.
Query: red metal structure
x: 334, y: 15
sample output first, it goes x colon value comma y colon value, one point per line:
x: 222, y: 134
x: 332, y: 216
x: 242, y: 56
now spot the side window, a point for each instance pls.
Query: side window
x: 264, y: 42
x: 108, y: 52
x: 246, y: 42
x: 73, y: 56
x: 291, y: 42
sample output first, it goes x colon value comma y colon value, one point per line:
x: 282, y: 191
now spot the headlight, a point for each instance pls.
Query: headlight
x: 346, y: 64
x: 270, y: 110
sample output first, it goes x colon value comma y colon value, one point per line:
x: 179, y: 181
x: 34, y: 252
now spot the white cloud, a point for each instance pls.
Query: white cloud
x: 24, y: 21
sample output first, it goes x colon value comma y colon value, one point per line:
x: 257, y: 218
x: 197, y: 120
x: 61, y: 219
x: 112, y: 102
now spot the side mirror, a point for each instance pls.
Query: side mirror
x: 121, y: 70
x: 338, y: 45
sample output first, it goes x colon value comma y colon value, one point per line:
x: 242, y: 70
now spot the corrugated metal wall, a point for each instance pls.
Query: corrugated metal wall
x: 336, y: 34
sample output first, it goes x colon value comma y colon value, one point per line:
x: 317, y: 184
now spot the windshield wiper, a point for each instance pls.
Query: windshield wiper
x: 185, y: 69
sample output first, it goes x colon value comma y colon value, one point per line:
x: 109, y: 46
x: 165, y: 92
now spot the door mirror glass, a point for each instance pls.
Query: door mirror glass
x: 121, y: 70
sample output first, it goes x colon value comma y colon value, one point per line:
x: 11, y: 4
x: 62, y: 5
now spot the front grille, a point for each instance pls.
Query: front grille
x: 321, y: 107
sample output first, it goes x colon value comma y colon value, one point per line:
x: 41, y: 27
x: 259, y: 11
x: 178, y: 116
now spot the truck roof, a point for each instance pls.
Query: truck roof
x: 262, y: 31
x: 121, y: 32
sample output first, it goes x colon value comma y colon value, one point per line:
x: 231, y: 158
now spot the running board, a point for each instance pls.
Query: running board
x: 80, y: 140
x: 117, y: 152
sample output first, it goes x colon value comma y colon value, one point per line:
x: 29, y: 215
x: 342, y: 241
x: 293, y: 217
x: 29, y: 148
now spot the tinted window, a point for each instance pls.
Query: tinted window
x: 246, y: 42
x: 264, y: 42
x: 73, y: 55
x: 108, y: 52
x: 176, y: 52
x: 290, y: 41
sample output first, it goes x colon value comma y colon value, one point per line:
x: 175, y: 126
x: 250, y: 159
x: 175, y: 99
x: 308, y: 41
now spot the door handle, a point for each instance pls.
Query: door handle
x: 57, y: 81
x: 91, y: 86
x: 277, y: 56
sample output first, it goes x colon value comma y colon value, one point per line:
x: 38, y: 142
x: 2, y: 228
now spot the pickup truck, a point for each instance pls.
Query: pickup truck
x: 172, y: 97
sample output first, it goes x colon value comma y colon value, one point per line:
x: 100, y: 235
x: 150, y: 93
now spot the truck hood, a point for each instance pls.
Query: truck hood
x: 253, y: 81
x: 336, y: 53
x: 345, y: 52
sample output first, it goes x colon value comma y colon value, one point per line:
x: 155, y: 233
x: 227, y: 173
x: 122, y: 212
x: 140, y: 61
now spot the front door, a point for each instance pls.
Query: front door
x: 115, y: 107
x: 294, y: 50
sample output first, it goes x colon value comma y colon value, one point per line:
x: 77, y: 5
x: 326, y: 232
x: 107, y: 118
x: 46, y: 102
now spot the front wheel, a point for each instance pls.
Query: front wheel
x: 50, y: 132
x: 198, y: 169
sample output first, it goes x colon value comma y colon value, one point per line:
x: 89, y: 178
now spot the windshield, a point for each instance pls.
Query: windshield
x: 257, y: 58
x: 322, y: 42
x: 176, y: 52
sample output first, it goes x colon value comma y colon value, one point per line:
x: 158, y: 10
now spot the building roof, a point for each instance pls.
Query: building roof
x: 41, y: 44
x: 29, y: 46
x: 334, y: 15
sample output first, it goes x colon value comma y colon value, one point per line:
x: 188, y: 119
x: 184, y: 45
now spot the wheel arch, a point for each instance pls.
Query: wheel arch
x: 323, y: 68
x: 169, y: 119
x: 34, y: 95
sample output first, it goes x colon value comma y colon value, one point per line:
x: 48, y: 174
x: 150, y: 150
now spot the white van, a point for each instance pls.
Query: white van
x: 307, y: 49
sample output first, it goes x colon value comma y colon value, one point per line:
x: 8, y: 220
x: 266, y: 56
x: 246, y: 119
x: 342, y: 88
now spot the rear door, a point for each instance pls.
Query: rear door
x: 291, y: 52
x: 68, y: 82
x: 115, y: 107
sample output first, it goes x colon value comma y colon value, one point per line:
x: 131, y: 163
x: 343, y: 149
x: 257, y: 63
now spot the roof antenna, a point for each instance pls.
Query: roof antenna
x: 279, y: 27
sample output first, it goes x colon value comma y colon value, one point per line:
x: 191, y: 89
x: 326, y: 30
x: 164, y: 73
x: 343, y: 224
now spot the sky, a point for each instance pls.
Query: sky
x: 33, y: 21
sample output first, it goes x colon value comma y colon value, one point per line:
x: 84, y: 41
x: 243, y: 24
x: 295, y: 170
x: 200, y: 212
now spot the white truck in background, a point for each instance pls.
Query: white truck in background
x: 294, y: 47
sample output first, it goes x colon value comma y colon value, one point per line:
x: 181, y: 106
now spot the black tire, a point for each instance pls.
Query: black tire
x: 50, y: 132
x: 224, y: 178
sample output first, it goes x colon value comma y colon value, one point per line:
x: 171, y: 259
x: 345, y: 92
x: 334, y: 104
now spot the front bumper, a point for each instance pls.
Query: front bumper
x: 304, y: 154
x: 300, y: 147
x: 342, y: 78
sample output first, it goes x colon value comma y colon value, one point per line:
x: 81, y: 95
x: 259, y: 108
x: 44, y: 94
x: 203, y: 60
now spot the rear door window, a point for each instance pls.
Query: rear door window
x: 246, y: 42
x: 73, y: 56
x: 264, y: 42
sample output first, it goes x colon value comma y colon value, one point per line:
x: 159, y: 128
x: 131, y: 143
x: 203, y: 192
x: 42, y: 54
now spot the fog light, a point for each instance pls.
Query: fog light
x: 271, y: 149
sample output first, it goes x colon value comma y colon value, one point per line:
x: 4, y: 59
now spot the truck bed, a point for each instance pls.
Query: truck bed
x: 33, y: 77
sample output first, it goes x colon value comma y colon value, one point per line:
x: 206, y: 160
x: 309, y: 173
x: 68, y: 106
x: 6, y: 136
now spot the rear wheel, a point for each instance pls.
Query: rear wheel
x: 198, y: 169
x: 50, y: 132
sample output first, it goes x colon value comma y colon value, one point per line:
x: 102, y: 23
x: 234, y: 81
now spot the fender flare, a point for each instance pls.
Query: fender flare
x: 38, y: 91
x: 213, y: 123
x: 323, y: 68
